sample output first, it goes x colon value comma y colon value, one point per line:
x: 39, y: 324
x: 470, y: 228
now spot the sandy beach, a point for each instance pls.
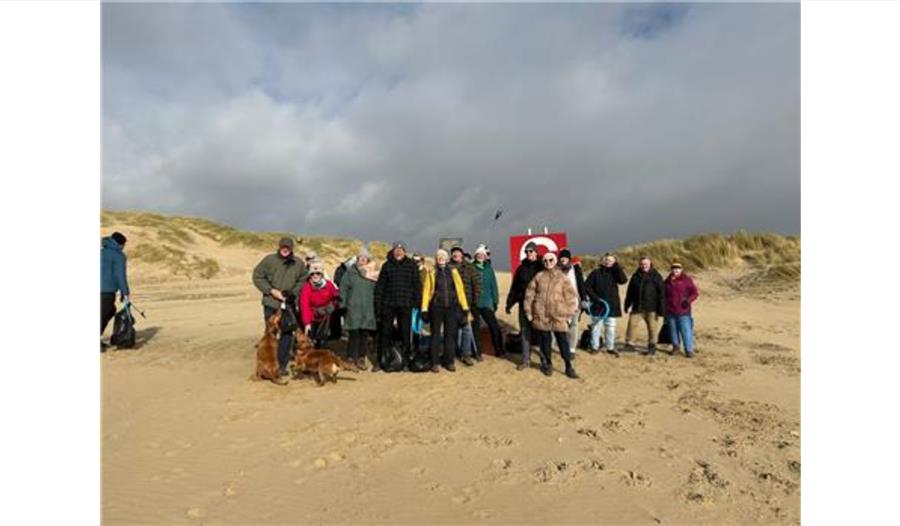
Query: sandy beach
x: 187, y: 438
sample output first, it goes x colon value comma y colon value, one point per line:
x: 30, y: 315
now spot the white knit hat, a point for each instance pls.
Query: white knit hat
x: 481, y: 249
x: 441, y: 252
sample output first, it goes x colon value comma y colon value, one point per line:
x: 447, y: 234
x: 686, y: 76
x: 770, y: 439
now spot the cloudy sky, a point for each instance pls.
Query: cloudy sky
x: 617, y: 123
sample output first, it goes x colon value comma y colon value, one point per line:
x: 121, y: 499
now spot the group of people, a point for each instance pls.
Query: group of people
x: 453, y: 297
x: 458, y: 292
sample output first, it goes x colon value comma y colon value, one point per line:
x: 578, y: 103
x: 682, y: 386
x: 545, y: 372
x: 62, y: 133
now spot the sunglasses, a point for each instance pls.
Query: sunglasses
x: 315, y: 273
x: 551, y: 260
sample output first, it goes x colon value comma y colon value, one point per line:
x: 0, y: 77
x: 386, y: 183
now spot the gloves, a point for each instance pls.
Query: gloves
x: 685, y: 304
x: 585, y: 304
x: 329, y: 309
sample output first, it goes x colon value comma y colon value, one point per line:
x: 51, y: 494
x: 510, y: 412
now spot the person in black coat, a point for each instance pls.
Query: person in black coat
x: 645, y: 300
x: 603, y: 284
x: 397, y: 291
x: 528, y: 268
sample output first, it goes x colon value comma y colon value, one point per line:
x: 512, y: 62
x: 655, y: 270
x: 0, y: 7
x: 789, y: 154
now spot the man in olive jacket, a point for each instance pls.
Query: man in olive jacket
x: 645, y: 299
x: 279, y: 277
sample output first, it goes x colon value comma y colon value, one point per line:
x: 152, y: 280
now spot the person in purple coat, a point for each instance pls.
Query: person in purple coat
x: 681, y: 292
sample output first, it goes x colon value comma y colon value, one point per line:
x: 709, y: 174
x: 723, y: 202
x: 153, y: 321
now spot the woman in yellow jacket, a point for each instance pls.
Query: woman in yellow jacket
x: 444, y: 305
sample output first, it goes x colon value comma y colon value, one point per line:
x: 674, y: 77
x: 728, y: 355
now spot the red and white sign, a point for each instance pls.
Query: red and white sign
x: 552, y: 242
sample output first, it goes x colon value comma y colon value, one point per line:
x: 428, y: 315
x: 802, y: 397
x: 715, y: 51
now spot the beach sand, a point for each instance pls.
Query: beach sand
x: 188, y: 438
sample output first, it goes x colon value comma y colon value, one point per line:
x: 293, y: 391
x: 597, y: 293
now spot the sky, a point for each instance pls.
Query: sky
x: 616, y: 123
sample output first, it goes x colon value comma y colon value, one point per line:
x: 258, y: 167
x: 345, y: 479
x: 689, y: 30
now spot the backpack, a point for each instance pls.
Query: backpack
x: 123, y: 334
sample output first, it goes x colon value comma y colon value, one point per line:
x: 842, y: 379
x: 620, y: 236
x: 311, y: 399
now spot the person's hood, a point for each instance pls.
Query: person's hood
x: 108, y: 242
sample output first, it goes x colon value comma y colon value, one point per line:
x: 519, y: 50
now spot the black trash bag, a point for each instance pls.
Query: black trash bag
x: 391, y: 360
x: 420, y: 363
x: 584, y: 342
x: 513, y: 343
x: 665, y: 336
x: 288, y: 323
x: 123, y: 335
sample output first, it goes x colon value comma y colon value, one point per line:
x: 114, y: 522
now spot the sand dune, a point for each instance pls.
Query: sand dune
x: 187, y: 438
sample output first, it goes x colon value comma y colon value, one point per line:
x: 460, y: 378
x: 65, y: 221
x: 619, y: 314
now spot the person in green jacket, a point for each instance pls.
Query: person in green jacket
x: 358, y: 297
x: 279, y: 277
x: 488, y: 299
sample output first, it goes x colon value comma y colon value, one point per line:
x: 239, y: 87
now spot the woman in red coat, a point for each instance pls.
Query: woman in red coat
x: 318, y: 300
x: 680, y: 293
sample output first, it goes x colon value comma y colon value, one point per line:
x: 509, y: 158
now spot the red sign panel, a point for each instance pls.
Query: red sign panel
x: 552, y: 242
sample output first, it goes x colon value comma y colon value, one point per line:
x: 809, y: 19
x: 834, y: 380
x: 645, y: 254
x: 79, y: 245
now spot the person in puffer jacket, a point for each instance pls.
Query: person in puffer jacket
x: 550, y: 302
x: 681, y: 292
x: 318, y: 301
x: 444, y: 305
x: 113, y: 277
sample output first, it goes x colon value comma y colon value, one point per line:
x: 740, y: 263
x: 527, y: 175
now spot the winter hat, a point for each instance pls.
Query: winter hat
x: 317, y: 266
x: 531, y: 246
x: 441, y: 252
x: 457, y: 249
x: 398, y: 244
x: 481, y: 250
x: 311, y: 255
x: 119, y: 238
x: 676, y: 264
x: 548, y: 256
x: 363, y: 253
x: 565, y: 253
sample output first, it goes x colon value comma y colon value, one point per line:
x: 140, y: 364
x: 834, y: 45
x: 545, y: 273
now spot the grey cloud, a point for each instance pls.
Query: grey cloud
x: 418, y: 122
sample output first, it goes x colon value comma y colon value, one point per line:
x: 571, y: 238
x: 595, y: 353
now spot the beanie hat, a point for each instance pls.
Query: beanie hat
x: 286, y: 242
x: 564, y: 253
x: 481, y: 250
x: 363, y: 253
x: 676, y: 264
x: 311, y: 255
x: 456, y: 249
x: 441, y: 252
x: 531, y: 246
x: 317, y: 266
x: 118, y: 238
x: 398, y: 244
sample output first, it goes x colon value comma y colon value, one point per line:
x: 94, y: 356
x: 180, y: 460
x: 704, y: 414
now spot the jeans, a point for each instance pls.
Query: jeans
x: 562, y: 340
x: 493, y: 327
x: 107, y: 309
x: 285, y: 341
x: 573, y: 335
x: 609, y: 327
x: 685, y: 326
x: 466, y: 339
x: 444, y: 325
x: 527, y: 335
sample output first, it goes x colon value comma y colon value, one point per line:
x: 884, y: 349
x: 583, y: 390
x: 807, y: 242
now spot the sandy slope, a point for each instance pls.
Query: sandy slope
x: 187, y: 438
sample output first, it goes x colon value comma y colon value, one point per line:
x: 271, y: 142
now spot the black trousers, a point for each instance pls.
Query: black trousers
x: 444, y: 326
x: 107, y: 309
x: 356, y: 345
x: 285, y: 341
x: 545, y: 340
x: 493, y: 327
x: 403, y: 315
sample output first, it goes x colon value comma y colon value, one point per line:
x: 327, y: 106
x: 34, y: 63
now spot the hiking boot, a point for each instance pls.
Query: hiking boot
x: 435, y: 369
x: 613, y: 352
x: 689, y: 355
x: 283, y: 372
x: 450, y: 367
x: 675, y: 350
x: 570, y: 372
x: 468, y: 361
x: 375, y: 367
x: 522, y: 366
x: 547, y: 370
x: 479, y: 358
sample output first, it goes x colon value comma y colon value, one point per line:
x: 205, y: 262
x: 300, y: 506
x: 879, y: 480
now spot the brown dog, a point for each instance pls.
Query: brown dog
x: 321, y: 363
x: 267, y: 353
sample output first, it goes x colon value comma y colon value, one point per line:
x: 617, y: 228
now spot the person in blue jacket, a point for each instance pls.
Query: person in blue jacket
x: 113, y: 277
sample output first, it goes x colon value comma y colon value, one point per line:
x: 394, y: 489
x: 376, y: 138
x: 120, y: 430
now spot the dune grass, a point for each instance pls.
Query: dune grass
x: 769, y: 258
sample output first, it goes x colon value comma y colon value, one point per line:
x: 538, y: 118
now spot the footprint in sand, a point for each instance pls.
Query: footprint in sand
x: 320, y: 463
x: 230, y: 490
x: 334, y: 456
x: 195, y: 513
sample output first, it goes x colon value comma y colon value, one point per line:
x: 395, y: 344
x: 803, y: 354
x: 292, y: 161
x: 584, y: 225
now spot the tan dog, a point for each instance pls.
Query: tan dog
x: 321, y: 363
x: 267, y: 353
